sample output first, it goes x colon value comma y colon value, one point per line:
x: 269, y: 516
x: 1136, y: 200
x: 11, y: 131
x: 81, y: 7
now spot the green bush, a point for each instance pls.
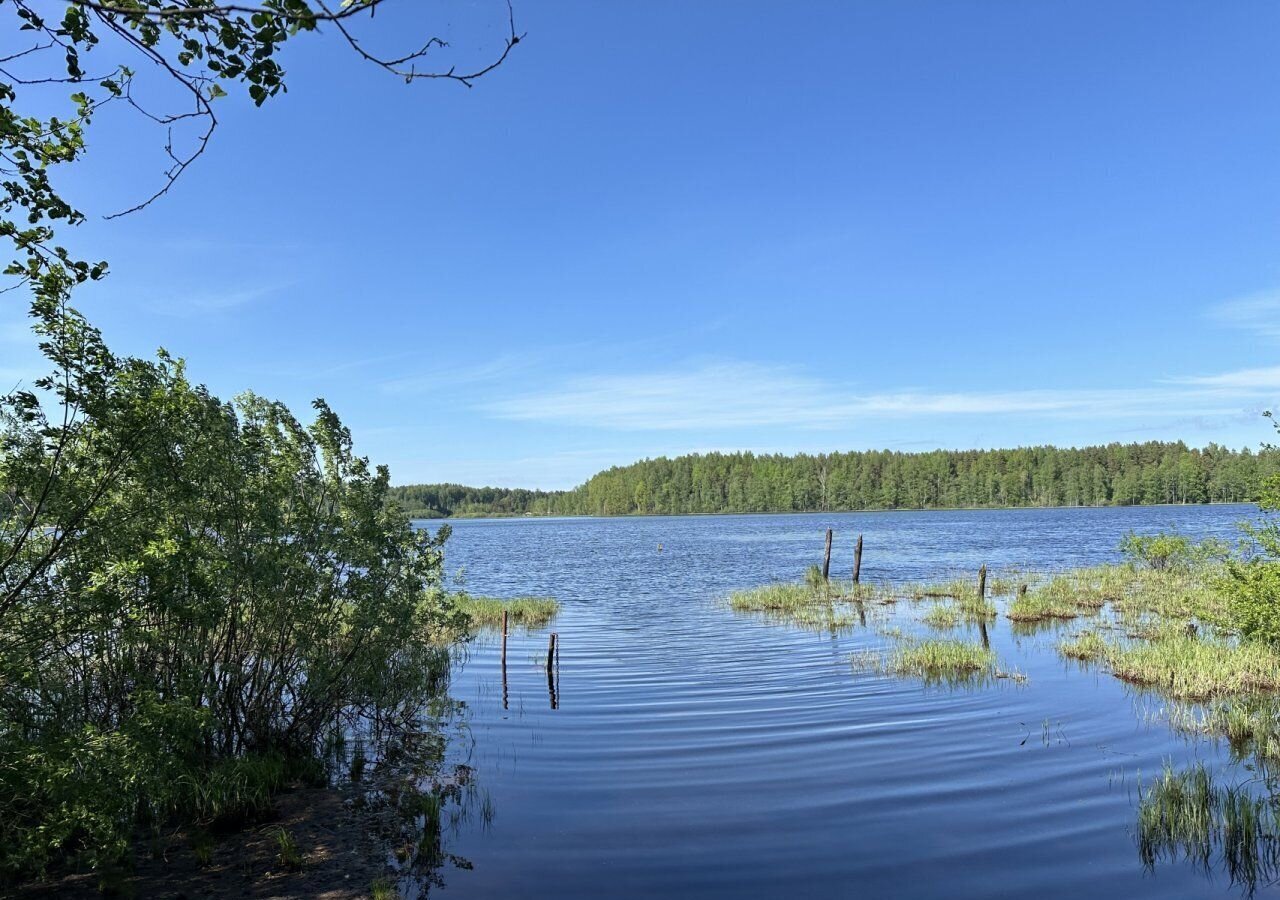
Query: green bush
x: 1253, y: 596
x: 1253, y: 585
x: 193, y: 596
x: 1160, y: 552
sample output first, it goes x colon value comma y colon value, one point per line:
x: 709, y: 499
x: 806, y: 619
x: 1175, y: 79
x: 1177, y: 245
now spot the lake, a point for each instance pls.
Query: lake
x: 699, y: 752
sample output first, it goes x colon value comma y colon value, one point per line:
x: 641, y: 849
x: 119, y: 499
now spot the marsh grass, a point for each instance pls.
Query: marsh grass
x: 941, y: 616
x: 1186, y: 667
x: 826, y: 607
x: 955, y: 589
x: 528, y: 612
x: 1086, y: 646
x: 973, y: 609
x: 1041, y: 606
x: 1184, y: 595
x: 933, y: 661
x: 1250, y: 724
x: 1188, y: 815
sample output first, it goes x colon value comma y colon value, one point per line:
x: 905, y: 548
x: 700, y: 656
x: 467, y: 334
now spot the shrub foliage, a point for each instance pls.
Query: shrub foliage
x: 193, y: 595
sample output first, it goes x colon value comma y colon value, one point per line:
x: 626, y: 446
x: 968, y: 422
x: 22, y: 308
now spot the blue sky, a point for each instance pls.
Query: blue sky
x: 666, y: 227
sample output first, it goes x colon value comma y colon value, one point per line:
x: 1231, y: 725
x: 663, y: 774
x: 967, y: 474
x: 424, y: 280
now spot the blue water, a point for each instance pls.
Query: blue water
x: 699, y: 752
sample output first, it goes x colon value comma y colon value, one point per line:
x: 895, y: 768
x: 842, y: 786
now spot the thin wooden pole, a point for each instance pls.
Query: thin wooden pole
x: 505, y: 693
x: 552, y: 651
x: 857, y: 561
x: 981, y: 609
x: 826, y: 559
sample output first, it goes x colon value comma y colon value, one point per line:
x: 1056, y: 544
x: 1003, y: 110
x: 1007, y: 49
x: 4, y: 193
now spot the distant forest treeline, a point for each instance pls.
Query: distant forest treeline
x: 1117, y: 474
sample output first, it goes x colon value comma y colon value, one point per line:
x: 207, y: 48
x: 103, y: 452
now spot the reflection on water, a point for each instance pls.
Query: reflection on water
x: 676, y: 747
x: 1231, y: 828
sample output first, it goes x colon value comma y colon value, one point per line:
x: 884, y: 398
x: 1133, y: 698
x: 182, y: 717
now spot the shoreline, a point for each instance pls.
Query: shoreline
x: 840, y: 512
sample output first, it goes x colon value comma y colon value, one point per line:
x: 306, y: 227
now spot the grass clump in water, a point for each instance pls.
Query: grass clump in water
x: 955, y: 588
x: 1187, y: 815
x: 1188, y: 668
x: 1041, y: 606
x: 486, y: 612
x: 935, y: 661
x: 974, y: 609
x: 783, y: 597
x: 1087, y: 646
x: 941, y: 616
x: 812, y: 605
x: 1250, y: 724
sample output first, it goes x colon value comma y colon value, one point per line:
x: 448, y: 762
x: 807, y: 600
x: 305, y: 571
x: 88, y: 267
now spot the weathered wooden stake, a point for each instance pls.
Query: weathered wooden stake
x: 552, y: 650
x: 857, y: 560
x: 982, y: 613
x: 826, y: 559
x: 504, y: 659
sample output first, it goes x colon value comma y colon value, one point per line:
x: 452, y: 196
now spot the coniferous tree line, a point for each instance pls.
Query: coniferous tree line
x: 1112, y: 475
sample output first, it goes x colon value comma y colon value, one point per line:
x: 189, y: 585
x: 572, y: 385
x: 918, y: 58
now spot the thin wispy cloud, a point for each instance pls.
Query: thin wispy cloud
x: 432, y: 378
x: 743, y: 395
x: 1258, y: 313
x: 1265, y: 378
x: 183, y: 304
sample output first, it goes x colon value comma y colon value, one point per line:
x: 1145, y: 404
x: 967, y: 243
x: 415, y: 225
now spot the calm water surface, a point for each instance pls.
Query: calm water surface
x: 697, y: 752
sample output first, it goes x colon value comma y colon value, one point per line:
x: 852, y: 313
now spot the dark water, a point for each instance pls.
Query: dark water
x: 697, y: 752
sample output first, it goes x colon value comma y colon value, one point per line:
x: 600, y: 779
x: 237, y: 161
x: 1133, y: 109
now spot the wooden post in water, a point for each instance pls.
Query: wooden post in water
x: 857, y: 560
x: 826, y: 559
x: 504, y: 659
x: 981, y: 609
x: 551, y: 671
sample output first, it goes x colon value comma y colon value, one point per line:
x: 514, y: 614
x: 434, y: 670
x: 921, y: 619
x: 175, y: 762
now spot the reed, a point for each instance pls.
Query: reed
x: 941, y: 616
x: 1188, y: 815
x: 779, y: 597
x: 1041, y: 606
x: 934, y: 661
x: 1087, y: 646
x: 1185, y: 667
x: 1250, y: 724
x: 529, y: 612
